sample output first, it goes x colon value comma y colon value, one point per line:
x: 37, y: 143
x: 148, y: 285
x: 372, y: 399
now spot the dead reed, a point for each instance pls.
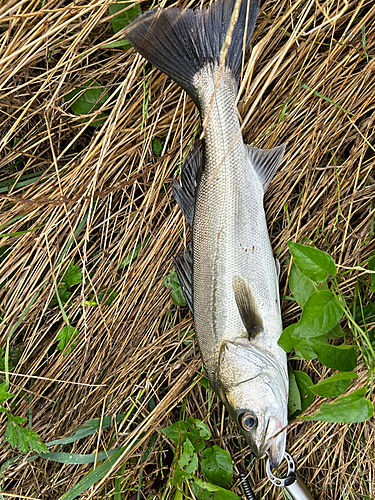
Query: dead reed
x: 69, y: 191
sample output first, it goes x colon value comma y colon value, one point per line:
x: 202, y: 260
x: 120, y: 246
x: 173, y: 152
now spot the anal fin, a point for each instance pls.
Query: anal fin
x: 247, y: 307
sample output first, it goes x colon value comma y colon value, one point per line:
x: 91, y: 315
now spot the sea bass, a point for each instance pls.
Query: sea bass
x: 229, y: 275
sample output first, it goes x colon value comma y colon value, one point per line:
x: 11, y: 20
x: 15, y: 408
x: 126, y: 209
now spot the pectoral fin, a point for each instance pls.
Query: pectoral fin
x: 247, y: 307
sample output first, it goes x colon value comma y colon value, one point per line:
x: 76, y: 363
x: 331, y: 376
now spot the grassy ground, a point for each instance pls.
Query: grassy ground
x: 91, y: 196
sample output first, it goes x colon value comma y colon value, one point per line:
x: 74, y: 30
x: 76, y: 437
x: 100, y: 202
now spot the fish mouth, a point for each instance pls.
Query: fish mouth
x: 275, y: 442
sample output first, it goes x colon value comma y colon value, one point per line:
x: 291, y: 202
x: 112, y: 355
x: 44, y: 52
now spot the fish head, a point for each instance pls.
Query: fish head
x: 254, y: 388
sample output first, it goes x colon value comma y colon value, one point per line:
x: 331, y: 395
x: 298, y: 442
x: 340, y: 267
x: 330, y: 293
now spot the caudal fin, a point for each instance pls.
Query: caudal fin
x: 181, y: 42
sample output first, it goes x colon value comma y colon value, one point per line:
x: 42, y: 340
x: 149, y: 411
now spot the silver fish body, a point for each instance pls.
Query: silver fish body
x: 231, y: 242
x: 233, y: 288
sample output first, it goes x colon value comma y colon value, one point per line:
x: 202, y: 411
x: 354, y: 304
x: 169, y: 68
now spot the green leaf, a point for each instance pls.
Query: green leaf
x: 347, y: 409
x: 118, y: 43
x: 371, y: 266
x: 66, y: 334
x: 365, y: 314
x: 76, y: 458
x: 286, y: 340
x: 187, y: 463
x: 128, y: 259
x: 64, y: 295
x: 205, y: 382
x: 208, y: 491
x: 93, y: 477
x: 89, y: 100
x: 342, y: 358
x: 121, y: 20
x: 300, y: 286
x: 304, y: 383
x: 313, y: 263
x: 334, y: 386
x: 72, y: 276
x: 321, y: 313
x: 171, y: 281
x: 23, y: 439
x: 294, y: 401
x: 303, y: 347
x: 217, y: 466
x: 157, y: 147
x: 88, y: 428
x: 193, y: 429
x: 4, y: 394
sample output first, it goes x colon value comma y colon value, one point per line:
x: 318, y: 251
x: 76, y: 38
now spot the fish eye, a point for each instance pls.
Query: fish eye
x: 248, y: 421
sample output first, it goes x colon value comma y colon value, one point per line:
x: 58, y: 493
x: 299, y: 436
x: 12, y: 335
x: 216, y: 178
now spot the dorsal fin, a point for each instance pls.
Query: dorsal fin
x: 265, y: 162
x: 247, y: 307
x: 184, y: 193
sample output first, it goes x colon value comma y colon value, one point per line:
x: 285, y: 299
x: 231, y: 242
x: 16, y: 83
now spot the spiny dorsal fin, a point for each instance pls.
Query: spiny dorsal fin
x: 265, y: 162
x: 184, y: 193
x: 247, y: 307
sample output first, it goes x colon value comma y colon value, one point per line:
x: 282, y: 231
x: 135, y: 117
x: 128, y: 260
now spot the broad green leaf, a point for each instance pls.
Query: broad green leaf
x: 347, y: 409
x: 294, y: 401
x: 187, y: 463
x: 313, y: 263
x: 89, y: 100
x: 171, y: 281
x: 286, y: 341
x: 24, y: 439
x: 92, y: 477
x: 342, y: 358
x: 4, y: 394
x: 72, y: 276
x: 193, y: 429
x: 217, y: 466
x: 75, y: 458
x: 304, y: 348
x: 66, y: 334
x: 334, y: 386
x: 300, y: 286
x: 320, y: 314
x: 336, y: 333
x: 304, y: 383
x: 208, y: 491
x: 121, y: 20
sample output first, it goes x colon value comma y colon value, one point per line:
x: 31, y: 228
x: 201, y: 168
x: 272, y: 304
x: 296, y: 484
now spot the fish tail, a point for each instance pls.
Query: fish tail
x: 182, y: 42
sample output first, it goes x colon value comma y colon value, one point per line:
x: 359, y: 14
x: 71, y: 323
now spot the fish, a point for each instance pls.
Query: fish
x: 228, y: 273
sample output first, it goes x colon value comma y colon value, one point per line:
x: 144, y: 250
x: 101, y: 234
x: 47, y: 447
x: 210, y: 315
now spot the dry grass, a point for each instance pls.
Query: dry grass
x: 93, y: 194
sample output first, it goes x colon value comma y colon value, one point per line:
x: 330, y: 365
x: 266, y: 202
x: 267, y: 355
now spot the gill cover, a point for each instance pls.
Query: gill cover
x: 254, y: 389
